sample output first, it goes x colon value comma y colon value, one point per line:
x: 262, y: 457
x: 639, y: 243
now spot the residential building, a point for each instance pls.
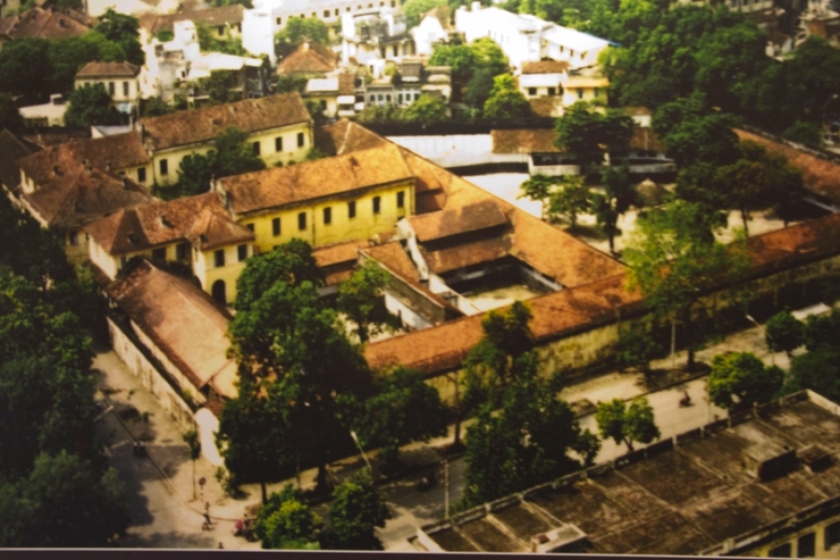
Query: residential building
x: 434, y: 28
x: 372, y: 37
x: 336, y: 95
x: 225, y: 21
x: 182, y: 359
x: 278, y: 127
x: 270, y: 16
x: 120, y: 79
x: 96, y: 8
x: 308, y: 59
x: 761, y: 483
x: 410, y: 80
x: 332, y: 200
x: 526, y: 38
x: 197, y: 232
x: 65, y: 192
x: 45, y: 114
x: 50, y: 23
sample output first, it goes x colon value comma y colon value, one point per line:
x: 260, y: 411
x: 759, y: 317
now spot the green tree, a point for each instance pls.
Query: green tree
x: 381, y: 114
x: 507, y: 337
x: 478, y: 88
x: 636, y: 348
x: 362, y: 299
x: 784, y: 333
x: 821, y: 330
x: 819, y: 371
x: 156, y: 107
x: 64, y: 502
x: 288, y: 84
x: 738, y: 380
x: 461, y: 59
x: 90, y: 105
x: 9, y: 115
x: 415, y: 9
x: 195, y: 172
x: 286, y: 522
x: 191, y: 439
x: 25, y: 69
x: 218, y: 86
x: 235, y: 154
x: 505, y: 101
x: 588, y: 134
x: 291, y: 262
x: 123, y: 30
x: 673, y: 262
x: 405, y: 409
x: 569, y: 201
x: 538, y: 188
x: 356, y: 510
x: 489, y: 56
x: 427, y: 109
x: 627, y: 424
x: 298, y: 30
x: 805, y: 133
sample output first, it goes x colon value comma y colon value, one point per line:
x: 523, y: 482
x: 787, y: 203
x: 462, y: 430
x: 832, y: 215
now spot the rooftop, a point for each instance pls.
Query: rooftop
x: 545, y: 67
x: 281, y: 186
x: 446, y: 223
x: 203, y: 125
x: 45, y: 24
x: 212, y: 17
x: 108, y: 70
x: 308, y: 58
x: 12, y: 148
x: 692, y: 498
x: 182, y: 321
x: 202, y: 220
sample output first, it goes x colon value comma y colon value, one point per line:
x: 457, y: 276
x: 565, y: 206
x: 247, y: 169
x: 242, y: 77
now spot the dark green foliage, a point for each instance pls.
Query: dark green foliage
x: 569, y: 201
x: 286, y: 522
x: 822, y: 330
x: 165, y: 35
x: 784, y: 333
x: 588, y: 134
x: 362, y: 299
x: 414, y: 10
x: 507, y: 336
x: 208, y: 41
x: 234, y: 154
x: 25, y: 68
x: 461, y: 59
x: 9, y: 115
x: 288, y: 84
x: 195, y: 172
x: 123, y: 30
x: 90, y: 106
x: 298, y: 30
x: 505, y: 101
x: 819, y: 371
x: 405, y: 409
x: 427, y: 109
x: 355, y: 510
x: 478, y: 88
x: 805, y: 133
x: 218, y: 86
x: 636, y: 348
x: 292, y: 263
x: 380, y: 114
x: 738, y: 380
x: 156, y: 107
x: 62, y: 503
x: 627, y: 424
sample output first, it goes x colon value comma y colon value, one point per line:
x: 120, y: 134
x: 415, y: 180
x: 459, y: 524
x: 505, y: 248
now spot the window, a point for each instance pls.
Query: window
x: 159, y: 254
x: 275, y: 226
x: 220, y: 258
x: 256, y: 146
x: 401, y: 199
x: 221, y: 30
x: 597, y: 92
x: 806, y: 545
x: 181, y: 251
x: 326, y: 13
x: 782, y: 551
x: 141, y: 174
x: 337, y: 11
x: 242, y: 252
x: 832, y: 535
x: 278, y: 144
x: 250, y: 227
x: 111, y: 89
x: 302, y: 221
x: 399, y: 98
x: 301, y: 140
x: 532, y: 91
x: 580, y: 93
x: 327, y: 215
x: 351, y: 209
x: 388, y: 98
x: 164, y: 167
x: 74, y: 238
x: 379, y: 97
x: 278, y: 21
x: 552, y: 91
x: 377, y: 204
x: 125, y: 89
x: 372, y: 98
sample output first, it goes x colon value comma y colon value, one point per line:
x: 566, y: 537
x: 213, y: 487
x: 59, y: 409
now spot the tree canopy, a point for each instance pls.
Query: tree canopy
x: 625, y: 424
x: 287, y: 522
x: 89, y: 106
x: 784, y: 333
x: 588, y: 133
x: 505, y: 101
x: 123, y: 30
x: 738, y: 380
x: 362, y: 299
x: 356, y: 510
x: 298, y: 30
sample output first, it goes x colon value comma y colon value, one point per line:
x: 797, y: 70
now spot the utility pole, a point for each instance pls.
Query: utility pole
x: 446, y: 488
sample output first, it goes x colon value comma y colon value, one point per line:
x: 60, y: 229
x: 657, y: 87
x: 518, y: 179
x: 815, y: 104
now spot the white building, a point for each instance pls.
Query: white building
x: 48, y: 114
x: 430, y: 31
x: 527, y: 38
x: 120, y: 79
x: 260, y: 24
x: 96, y: 8
x: 374, y: 36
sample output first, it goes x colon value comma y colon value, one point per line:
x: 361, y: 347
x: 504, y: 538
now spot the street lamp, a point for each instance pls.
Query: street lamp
x: 356, y: 439
x: 754, y: 322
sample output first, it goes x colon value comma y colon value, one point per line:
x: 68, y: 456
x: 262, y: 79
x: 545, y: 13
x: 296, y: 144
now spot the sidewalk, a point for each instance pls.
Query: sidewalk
x: 166, y: 515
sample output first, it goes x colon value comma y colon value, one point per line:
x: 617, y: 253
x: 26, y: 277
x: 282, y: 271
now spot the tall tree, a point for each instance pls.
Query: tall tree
x: 25, y: 68
x: 362, y: 299
x: 736, y: 381
x: 234, y: 154
x: 538, y: 188
x: 124, y: 30
x: 287, y: 522
x: 627, y: 424
x: 673, y: 262
x: 569, y: 201
x: 505, y: 101
x: 589, y: 133
x: 427, y: 109
x: 784, y: 333
x: 356, y: 510
x: 90, y: 106
x: 298, y: 30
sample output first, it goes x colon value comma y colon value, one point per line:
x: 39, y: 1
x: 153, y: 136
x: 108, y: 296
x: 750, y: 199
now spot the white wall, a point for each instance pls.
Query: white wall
x: 457, y: 150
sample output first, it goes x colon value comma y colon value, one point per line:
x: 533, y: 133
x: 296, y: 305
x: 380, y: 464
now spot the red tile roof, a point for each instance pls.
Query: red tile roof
x: 524, y: 141
x: 108, y: 70
x: 212, y: 17
x: 820, y: 176
x: 203, y: 125
x: 282, y: 186
x: 545, y: 67
x: 120, y: 151
x: 45, y: 24
x: 181, y: 320
x: 308, y: 58
x: 201, y: 220
x: 455, y: 221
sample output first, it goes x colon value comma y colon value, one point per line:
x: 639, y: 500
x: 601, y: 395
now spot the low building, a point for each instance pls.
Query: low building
x: 555, y: 84
x: 131, y: 7
x: 332, y: 200
x: 527, y: 38
x: 225, y: 22
x: 120, y: 79
x: 195, y: 232
x: 336, y: 96
x: 46, y: 114
x: 411, y: 79
x: 65, y: 193
x: 182, y: 360
x: 370, y: 38
x: 762, y: 483
x: 308, y: 59
x: 40, y: 23
x: 279, y: 128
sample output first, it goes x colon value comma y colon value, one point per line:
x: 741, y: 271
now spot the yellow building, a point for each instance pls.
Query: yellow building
x: 120, y: 79
x: 332, y: 200
x: 818, y: 539
x: 196, y: 231
x: 279, y: 129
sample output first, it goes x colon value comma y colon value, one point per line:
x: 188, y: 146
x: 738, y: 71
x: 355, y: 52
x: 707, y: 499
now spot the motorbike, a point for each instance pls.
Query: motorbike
x: 426, y: 482
x: 685, y: 400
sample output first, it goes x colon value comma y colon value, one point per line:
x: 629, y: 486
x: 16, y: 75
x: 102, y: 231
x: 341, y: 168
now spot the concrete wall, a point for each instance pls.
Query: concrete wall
x: 457, y: 150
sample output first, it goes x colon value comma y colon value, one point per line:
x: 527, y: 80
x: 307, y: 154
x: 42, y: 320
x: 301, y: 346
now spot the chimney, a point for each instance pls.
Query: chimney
x: 56, y: 170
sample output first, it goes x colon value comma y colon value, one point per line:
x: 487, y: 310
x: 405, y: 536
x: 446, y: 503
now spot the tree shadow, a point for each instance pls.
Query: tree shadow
x: 171, y: 539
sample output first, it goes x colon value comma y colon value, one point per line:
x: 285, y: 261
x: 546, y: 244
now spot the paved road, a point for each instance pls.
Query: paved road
x: 165, y: 515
